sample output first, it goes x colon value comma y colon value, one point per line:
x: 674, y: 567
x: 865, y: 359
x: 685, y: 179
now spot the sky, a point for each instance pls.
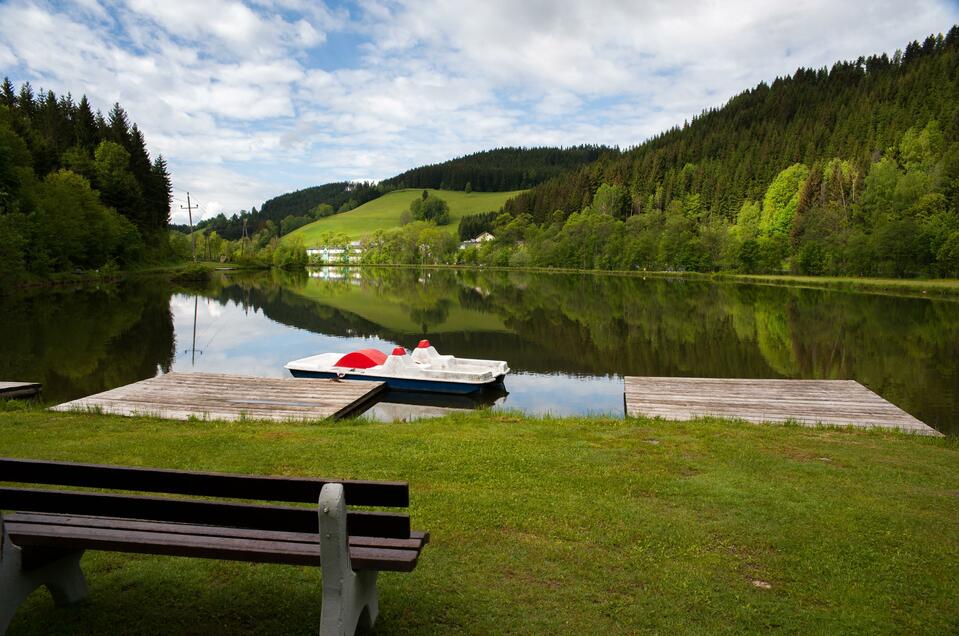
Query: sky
x: 248, y: 100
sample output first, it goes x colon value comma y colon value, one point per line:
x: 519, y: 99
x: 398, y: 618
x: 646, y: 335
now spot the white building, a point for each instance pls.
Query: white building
x: 479, y: 240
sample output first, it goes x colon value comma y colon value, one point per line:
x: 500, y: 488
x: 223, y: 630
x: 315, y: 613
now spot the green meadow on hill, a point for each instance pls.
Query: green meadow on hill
x: 384, y: 213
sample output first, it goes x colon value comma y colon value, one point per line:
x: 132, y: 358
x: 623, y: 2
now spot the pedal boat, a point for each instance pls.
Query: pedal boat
x: 422, y: 370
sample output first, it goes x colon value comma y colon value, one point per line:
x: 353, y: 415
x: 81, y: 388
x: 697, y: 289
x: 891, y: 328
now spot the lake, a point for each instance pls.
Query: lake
x: 568, y: 338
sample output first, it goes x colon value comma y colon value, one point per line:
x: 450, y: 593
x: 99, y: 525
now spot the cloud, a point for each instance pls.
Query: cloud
x: 249, y: 100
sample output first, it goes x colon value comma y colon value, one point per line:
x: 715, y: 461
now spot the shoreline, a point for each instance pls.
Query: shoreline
x: 171, y: 270
x: 947, y: 288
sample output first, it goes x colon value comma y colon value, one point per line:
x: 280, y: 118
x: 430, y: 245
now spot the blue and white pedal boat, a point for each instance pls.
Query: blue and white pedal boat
x: 422, y: 370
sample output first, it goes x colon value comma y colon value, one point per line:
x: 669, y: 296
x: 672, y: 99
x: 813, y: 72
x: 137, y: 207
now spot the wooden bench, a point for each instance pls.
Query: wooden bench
x: 44, y: 540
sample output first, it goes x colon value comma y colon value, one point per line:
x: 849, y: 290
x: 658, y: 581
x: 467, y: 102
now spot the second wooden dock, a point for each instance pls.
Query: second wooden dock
x: 19, y: 389
x: 214, y: 396
x: 832, y: 402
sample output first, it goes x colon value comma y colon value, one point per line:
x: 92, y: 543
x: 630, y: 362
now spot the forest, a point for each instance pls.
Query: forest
x: 852, y: 170
x: 77, y: 190
x: 500, y: 169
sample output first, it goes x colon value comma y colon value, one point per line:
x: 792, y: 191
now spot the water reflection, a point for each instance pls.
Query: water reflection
x: 86, y: 340
x: 569, y: 338
x: 395, y: 406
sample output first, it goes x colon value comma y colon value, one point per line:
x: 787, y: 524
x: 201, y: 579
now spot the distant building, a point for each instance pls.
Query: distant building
x: 479, y: 240
x: 334, y: 255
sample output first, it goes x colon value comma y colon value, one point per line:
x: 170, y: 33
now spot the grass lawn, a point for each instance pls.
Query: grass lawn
x: 384, y: 212
x: 554, y: 526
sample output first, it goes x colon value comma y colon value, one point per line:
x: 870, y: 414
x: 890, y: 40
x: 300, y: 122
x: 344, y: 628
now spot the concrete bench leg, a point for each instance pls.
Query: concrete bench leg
x: 349, y: 598
x: 60, y: 572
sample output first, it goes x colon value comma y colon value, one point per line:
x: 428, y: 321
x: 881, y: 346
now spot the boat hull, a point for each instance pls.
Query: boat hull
x: 404, y: 384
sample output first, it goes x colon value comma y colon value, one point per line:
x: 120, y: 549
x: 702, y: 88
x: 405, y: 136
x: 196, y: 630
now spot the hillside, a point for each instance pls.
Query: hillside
x: 500, y: 169
x: 849, y: 171
x: 298, y: 207
x: 858, y: 110
x: 497, y: 170
x: 384, y: 212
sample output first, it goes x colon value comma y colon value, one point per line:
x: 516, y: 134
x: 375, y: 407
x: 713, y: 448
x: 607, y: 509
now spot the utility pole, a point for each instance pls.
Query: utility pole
x: 189, y: 208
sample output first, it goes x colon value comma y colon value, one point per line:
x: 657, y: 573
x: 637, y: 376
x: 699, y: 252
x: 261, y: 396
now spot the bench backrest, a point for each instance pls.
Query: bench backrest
x: 200, y: 484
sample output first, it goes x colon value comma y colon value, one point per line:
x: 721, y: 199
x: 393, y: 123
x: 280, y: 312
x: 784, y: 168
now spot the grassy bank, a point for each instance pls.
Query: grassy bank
x: 91, y: 277
x: 555, y: 526
x: 909, y: 286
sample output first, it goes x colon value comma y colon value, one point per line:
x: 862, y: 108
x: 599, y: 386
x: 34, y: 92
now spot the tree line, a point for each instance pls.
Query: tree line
x: 500, y: 169
x: 77, y: 189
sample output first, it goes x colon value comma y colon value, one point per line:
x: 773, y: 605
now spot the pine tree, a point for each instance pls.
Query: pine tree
x: 25, y: 100
x: 139, y: 156
x: 160, y: 193
x: 7, y: 95
x: 119, y: 126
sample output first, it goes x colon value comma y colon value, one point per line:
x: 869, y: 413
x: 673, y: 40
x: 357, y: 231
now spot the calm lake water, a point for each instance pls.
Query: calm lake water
x: 568, y: 338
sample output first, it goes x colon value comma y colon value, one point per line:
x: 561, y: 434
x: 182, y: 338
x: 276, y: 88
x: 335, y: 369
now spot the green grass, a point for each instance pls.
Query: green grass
x: 383, y: 213
x: 554, y: 526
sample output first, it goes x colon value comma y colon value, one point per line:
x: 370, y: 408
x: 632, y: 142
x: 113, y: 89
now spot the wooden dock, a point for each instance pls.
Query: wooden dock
x: 832, y: 402
x: 180, y: 396
x: 19, y: 389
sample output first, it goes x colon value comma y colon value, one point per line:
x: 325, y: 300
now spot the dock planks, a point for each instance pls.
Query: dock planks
x: 214, y: 396
x: 19, y: 389
x: 832, y: 402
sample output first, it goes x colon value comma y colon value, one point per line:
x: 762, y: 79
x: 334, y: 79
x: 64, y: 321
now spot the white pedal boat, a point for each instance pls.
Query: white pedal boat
x: 422, y: 370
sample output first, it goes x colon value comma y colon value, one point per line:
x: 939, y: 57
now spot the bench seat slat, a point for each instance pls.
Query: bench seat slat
x: 207, y: 484
x: 28, y: 535
x: 416, y: 541
x: 214, y: 513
